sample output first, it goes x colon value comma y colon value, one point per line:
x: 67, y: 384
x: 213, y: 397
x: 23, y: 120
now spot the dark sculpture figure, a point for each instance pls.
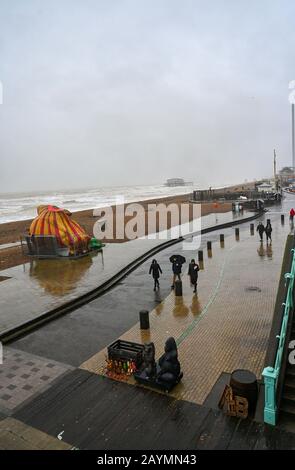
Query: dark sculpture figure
x: 149, y: 364
x: 169, y: 365
x: 163, y: 375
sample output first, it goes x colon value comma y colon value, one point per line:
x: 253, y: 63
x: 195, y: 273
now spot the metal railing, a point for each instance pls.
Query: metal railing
x: 271, y: 374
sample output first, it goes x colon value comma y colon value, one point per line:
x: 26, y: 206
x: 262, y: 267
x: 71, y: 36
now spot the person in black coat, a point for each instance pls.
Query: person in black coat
x: 176, y: 269
x: 260, y: 229
x: 268, y: 230
x: 193, y: 270
x: 155, y: 270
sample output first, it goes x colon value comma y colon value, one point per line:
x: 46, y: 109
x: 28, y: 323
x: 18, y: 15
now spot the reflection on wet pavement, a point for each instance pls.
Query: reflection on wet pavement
x: 265, y: 250
x: 180, y: 309
x: 59, y: 277
x: 195, y: 306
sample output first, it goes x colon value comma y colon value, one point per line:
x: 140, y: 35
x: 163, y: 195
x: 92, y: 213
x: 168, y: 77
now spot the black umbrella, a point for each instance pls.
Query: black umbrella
x: 177, y: 259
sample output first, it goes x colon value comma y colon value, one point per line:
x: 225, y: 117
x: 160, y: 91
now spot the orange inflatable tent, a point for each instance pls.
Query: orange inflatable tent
x: 58, y: 222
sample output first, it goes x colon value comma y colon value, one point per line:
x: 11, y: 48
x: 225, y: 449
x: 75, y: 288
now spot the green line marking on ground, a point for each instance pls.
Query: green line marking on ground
x: 193, y: 324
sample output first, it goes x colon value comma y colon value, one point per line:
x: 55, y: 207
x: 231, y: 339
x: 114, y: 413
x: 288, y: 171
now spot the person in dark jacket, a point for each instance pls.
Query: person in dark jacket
x: 268, y: 230
x: 176, y: 269
x: 155, y: 270
x: 260, y: 229
x: 193, y: 270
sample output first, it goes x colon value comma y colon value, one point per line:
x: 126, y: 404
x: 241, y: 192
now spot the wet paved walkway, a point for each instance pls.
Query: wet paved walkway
x: 41, y: 286
x: 225, y: 327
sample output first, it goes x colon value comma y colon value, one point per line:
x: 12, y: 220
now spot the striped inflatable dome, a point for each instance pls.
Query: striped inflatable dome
x: 58, y: 222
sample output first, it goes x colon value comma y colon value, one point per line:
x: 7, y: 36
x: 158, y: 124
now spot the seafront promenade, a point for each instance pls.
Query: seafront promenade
x: 40, y: 287
x: 54, y: 391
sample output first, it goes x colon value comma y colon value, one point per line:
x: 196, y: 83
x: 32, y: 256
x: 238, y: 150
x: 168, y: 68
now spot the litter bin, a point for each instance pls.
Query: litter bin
x: 144, y: 320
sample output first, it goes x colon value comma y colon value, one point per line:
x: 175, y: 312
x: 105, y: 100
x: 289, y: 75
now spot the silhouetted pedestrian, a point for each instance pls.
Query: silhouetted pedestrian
x: 155, y: 270
x: 193, y: 270
x: 176, y: 269
x: 260, y: 229
x: 268, y: 230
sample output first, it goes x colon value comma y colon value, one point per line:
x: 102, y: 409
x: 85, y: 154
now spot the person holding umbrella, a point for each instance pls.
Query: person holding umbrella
x: 193, y: 270
x: 155, y: 270
x: 177, y: 262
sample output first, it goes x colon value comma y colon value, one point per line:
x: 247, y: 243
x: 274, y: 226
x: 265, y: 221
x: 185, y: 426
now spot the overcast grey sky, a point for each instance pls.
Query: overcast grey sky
x: 109, y: 92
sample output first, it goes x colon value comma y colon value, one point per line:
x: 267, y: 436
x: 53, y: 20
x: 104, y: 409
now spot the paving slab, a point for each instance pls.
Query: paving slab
x: 15, y: 435
x: 23, y: 375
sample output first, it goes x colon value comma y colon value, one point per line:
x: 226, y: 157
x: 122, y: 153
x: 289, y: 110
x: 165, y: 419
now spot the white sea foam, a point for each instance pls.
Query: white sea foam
x: 23, y: 206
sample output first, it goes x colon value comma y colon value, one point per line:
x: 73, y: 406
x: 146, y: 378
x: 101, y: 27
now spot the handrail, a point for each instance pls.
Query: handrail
x: 271, y: 374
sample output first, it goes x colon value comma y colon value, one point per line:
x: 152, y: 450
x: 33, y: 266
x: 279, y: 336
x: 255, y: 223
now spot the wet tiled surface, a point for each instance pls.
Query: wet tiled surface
x: 226, y: 326
x: 42, y: 285
x: 15, y: 435
x: 93, y: 412
x: 22, y: 375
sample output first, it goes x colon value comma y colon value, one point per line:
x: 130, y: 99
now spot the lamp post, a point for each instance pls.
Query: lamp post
x: 293, y: 136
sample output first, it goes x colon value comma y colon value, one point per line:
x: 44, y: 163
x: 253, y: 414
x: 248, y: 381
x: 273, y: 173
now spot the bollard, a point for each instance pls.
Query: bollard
x: 209, y: 246
x: 200, y: 255
x: 144, y: 320
x: 251, y: 228
x: 178, y: 288
x: 221, y: 238
x: 237, y: 230
x: 282, y: 218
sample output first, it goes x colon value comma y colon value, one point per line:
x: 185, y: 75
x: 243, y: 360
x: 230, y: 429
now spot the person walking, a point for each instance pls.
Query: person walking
x: 155, y: 270
x: 193, y: 270
x: 176, y: 269
x: 268, y: 230
x: 292, y: 213
x: 260, y: 229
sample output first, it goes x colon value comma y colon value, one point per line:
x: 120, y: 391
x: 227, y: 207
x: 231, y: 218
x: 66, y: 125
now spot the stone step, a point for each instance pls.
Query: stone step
x: 289, y: 394
x: 290, y: 371
x: 290, y: 382
x: 288, y: 407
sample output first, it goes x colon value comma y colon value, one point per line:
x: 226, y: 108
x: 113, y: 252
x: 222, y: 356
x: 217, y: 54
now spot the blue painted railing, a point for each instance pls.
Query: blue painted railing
x: 271, y: 374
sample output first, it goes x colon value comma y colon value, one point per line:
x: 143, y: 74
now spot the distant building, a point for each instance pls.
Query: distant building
x: 266, y: 188
x: 177, y: 182
x: 287, y: 175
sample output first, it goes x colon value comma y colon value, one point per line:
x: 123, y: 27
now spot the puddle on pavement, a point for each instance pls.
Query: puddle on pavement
x: 59, y: 277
